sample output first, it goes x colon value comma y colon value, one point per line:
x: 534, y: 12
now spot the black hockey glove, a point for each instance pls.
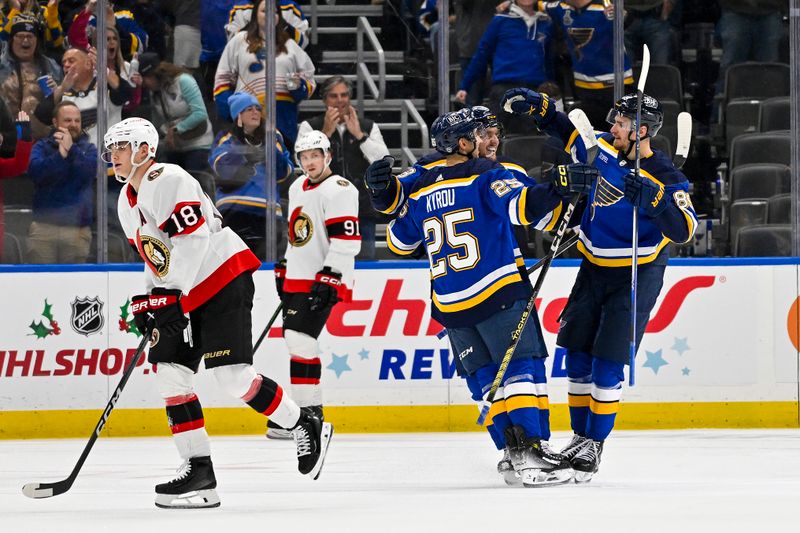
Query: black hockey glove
x: 573, y: 178
x: 325, y: 290
x: 140, y: 307
x: 165, y: 304
x: 379, y: 174
x: 280, y: 275
x: 645, y: 194
x: 522, y: 101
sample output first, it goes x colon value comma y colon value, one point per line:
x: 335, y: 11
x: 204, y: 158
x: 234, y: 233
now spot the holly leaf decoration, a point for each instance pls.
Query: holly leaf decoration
x: 39, y: 329
x: 123, y: 310
x: 133, y: 329
x: 48, y: 311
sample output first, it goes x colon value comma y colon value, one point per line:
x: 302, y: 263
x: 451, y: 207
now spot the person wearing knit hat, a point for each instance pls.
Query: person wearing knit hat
x: 240, y: 101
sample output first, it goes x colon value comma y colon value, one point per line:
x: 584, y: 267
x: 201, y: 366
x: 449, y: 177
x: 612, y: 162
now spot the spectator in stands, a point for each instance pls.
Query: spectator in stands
x: 293, y: 19
x: 79, y: 86
x: 63, y: 170
x: 21, y: 64
x: 185, y: 18
x: 520, y: 32
x: 133, y: 38
x: 589, y: 29
x: 750, y: 31
x: 238, y: 161
x: 45, y: 15
x: 14, y: 166
x: 213, y: 17
x: 123, y: 69
x: 647, y: 22
x: 179, y: 113
x: 241, y: 69
x: 472, y: 19
x: 355, y: 143
x: 153, y: 20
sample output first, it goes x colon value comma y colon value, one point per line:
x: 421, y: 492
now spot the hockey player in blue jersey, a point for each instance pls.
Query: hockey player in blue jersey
x: 462, y: 212
x: 595, y: 325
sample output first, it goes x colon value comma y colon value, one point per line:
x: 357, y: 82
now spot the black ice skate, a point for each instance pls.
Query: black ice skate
x: 574, y: 446
x: 274, y: 431
x: 587, y: 461
x: 536, y: 464
x: 312, y: 437
x: 193, y: 488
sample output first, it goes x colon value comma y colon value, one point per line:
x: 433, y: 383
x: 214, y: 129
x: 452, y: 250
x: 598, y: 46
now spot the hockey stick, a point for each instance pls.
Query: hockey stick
x: 584, y: 127
x: 635, y: 228
x: 266, y: 329
x: 684, y: 139
x: 48, y: 490
x: 567, y: 245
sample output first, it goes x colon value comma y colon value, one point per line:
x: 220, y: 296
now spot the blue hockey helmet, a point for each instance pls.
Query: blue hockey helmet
x: 652, y: 112
x: 447, y: 129
x: 485, y: 116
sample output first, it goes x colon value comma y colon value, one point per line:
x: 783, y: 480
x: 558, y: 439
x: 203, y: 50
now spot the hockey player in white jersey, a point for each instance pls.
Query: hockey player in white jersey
x: 196, y: 267
x: 324, y: 239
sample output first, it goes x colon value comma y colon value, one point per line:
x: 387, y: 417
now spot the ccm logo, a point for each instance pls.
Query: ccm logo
x: 330, y: 280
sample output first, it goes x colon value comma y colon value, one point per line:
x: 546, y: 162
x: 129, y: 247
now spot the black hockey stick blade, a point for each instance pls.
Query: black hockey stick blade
x: 684, y: 139
x: 48, y: 490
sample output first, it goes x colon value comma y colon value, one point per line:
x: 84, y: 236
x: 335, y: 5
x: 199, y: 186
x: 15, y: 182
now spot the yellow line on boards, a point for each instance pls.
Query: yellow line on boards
x: 395, y: 419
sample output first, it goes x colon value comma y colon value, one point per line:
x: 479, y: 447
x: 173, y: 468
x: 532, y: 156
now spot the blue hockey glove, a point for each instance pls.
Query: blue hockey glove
x: 645, y: 194
x: 379, y: 174
x: 573, y: 178
x: 522, y: 101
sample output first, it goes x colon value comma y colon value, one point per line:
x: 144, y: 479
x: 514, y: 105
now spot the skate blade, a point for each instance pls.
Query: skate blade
x: 583, y: 477
x: 279, y: 434
x: 325, y: 440
x: 511, y: 478
x: 197, y: 499
x: 533, y: 477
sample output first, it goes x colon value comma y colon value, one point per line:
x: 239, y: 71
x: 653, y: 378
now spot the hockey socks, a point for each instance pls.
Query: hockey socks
x: 185, y: 417
x: 304, y: 375
x: 267, y: 397
x: 595, y: 389
x: 526, y: 400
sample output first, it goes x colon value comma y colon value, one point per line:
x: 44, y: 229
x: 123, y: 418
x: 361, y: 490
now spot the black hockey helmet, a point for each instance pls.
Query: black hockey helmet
x: 447, y: 129
x: 652, y: 112
x: 489, y: 120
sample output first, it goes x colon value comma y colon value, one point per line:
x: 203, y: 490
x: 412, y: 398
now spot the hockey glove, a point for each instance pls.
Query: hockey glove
x: 379, y: 174
x: 573, y: 178
x: 165, y: 304
x: 522, y: 101
x: 140, y: 307
x: 325, y: 290
x: 645, y: 194
x: 280, y: 276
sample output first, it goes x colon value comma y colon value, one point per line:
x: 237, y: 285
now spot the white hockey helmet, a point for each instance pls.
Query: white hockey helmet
x: 313, y: 140
x: 135, y: 131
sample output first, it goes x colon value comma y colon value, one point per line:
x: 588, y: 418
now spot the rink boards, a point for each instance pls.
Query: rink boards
x: 720, y: 351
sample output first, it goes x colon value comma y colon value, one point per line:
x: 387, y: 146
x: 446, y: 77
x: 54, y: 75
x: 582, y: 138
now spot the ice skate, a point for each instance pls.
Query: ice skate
x: 574, y: 446
x: 536, y: 464
x: 505, y: 467
x: 276, y: 432
x: 587, y: 461
x: 193, y: 488
x: 312, y: 437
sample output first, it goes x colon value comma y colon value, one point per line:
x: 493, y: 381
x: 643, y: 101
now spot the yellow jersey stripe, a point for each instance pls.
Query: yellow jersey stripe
x: 443, y: 184
x: 478, y: 298
x: 556, y: 215
x: 622, y: 261
x: 392, y: 207
x: 521, y: 201
x: 523, y: 401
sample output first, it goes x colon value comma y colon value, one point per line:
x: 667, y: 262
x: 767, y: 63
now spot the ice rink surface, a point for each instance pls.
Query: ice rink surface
x: 709, y: 480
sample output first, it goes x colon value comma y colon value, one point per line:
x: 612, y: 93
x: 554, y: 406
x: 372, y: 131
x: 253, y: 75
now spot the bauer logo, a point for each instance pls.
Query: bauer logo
x: 87, y: 315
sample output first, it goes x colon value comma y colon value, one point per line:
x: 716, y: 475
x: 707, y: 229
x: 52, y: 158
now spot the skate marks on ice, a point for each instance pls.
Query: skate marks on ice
x: 658, y: 480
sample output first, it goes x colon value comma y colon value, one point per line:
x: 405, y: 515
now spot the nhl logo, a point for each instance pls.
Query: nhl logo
x: 87, y: 315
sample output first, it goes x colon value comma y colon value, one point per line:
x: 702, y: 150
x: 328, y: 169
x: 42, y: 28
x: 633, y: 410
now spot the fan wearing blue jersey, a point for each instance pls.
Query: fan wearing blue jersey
x: 462, y: 212
x: 595, y: 325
